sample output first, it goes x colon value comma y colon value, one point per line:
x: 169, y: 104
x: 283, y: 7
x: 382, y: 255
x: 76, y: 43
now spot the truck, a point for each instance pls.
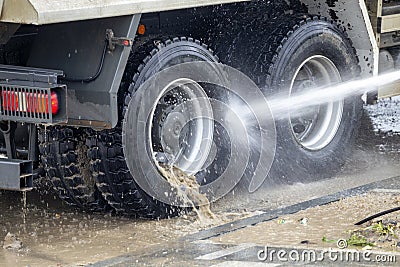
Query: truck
x: 70, y: 72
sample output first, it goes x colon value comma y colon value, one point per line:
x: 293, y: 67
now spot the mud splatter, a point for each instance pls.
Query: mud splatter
x: 331, y: 3
x: 188, y: 190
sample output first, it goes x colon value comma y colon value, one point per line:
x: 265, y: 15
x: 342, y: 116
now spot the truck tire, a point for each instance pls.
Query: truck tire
x: 297, y: 53
x: 64, y: 157
x: 110, y: 169
x: 115, y: 181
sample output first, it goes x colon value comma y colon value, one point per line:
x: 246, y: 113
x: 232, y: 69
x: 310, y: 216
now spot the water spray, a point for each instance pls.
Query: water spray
x: 281, y: 105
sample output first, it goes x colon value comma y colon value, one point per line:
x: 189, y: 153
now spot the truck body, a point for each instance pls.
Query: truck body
x: 64, y: 64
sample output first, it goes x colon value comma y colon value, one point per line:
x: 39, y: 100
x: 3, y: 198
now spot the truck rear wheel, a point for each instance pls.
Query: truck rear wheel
x: 314, y: 141
x: 111, y: 171
x: 64, y: 157
x: 296, y: 54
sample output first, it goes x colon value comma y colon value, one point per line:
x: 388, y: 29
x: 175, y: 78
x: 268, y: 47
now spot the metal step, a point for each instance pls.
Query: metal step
x: 16, y: 174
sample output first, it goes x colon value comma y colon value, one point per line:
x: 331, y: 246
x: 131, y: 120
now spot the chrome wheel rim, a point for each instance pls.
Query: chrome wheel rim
x: 315, y: 126
x: 181, y: 126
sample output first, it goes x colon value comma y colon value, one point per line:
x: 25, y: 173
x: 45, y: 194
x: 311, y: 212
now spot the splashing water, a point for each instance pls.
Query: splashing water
x: 280, y: 106
x: 188, y: 190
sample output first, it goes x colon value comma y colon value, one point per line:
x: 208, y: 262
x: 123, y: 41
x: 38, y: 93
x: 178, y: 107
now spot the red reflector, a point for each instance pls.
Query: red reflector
x: 10, y: 101
x: 54, y: 103
x: 29, y: 102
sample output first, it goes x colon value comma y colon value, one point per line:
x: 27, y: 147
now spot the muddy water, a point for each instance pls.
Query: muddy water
x: 307, y: 228
x: 188, y: 190
x: 56, y: 235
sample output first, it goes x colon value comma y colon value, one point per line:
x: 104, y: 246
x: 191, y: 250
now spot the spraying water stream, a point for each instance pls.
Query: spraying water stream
x: 281, y: 105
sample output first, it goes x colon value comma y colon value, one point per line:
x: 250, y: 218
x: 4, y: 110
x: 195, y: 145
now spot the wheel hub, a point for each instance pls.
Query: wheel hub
x: 315, y: 126
x: 170, y: 135
x: 182, y: 126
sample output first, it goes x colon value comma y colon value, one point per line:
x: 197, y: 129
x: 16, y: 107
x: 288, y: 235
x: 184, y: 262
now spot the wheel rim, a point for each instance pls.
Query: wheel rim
x: 181, y: 127
x: 315, y: 127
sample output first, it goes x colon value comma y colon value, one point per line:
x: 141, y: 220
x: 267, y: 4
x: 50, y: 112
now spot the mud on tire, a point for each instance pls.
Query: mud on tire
x: 108, y: 160
x: 64, y: 157
x: 115, y: 181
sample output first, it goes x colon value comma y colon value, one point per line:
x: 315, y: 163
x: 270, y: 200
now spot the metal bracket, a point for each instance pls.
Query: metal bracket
x: 16, y: 174
x: 114, y: 41
x: 8, y: 129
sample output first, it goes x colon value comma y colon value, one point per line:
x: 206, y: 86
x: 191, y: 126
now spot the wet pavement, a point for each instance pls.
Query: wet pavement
x: 53, y: 234
x: 244, y: 242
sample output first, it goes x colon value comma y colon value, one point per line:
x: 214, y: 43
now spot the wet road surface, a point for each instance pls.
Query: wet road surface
x: 244, y: 242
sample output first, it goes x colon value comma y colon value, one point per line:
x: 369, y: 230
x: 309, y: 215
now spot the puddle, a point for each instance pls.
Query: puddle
x: 56, y: 235
x: 307, y: 228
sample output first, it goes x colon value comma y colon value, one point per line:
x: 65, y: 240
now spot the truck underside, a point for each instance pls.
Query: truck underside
x: 71, y: 79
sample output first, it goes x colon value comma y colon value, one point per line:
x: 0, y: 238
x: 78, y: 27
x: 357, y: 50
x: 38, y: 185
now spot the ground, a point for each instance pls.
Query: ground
x: 297, y: 216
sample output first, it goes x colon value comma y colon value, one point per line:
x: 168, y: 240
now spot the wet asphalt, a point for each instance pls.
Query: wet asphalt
x: 198, y: 250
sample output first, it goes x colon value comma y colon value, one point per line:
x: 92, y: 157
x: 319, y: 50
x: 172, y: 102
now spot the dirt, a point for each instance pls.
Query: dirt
x: 188, y: 190
x: 308, y: 228
x: 84, y: 165
x: 11, y: 242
